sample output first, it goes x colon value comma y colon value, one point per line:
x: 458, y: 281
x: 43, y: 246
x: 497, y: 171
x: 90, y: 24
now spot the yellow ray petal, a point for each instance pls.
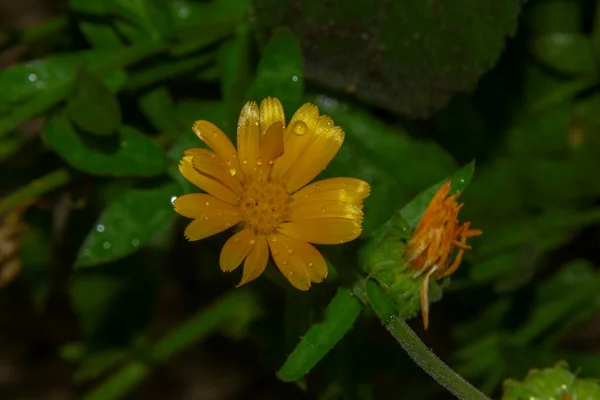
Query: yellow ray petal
x: 236, y: 249
x: 350, y: 190
x: 256, y: 261
x: 210, y: 134
x: 271, y: 143
x: 248, y: 138
x: 309, y: 256
x: 199, y: 205
x: 425, y: 298
x: 297, y: 135
x: 315, y: 158
x: 294, y: 268
x: 324, y: 209
x: 209, y: 164
x: 201, y: 228
x: 323, y: 230
x: 271, y: 111
x: 205, y: 182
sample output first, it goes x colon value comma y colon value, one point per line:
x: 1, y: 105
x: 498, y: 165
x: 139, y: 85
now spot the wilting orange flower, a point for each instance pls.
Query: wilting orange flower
x: 437, y: 234
x: 261, y: 187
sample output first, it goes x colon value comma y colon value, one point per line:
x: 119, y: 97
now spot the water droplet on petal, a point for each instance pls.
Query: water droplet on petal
x: 271, y: 162
x: 244, y: 162
x: 206, y: 203
x: 252, y: 241
x: 173, y: 198
x: 259, y: 161
x: 300, y: 128
x: 214, y: 134
x: 106, y: 245
x: 285, y: 262
x: 100, y: 228
x: 275, y: 253
x: 205, y: 218
x: 232, y: 171
x: 310, y: 264
x: 291, y: 272
x: 290, y: 252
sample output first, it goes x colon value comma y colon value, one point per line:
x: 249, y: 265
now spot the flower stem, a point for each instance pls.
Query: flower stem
x: 371, y: 295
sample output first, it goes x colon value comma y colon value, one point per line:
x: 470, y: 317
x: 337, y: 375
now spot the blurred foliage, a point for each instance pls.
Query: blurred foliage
x: 97, y: 110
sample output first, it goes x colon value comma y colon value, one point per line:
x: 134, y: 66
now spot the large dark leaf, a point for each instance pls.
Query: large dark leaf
x: 406, y: 56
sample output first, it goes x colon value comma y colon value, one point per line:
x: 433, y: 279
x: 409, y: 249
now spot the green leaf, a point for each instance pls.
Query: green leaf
x: 155, y: 17
x: 551, y: 383
x: 412, y: 212
x: 280, y: 72
x: 127, y: 223
x: 235, y: 72
x: 91, y: 296
x: 100, y: 35
x: 339, y: 317
x: 130, y: 154
x: 568, y: 53
x: 405, y: 56
x: 92, y: 106
x: 158, y: 107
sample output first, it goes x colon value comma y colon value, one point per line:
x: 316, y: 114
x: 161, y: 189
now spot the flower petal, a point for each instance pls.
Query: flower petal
x: 201, y: 228
x: 248, y: 138
x: 209, y: 164
x: 311, y: 258
x: 323, y: 230
x: 271, y: 143
x: 210, y: 134
x: 350, y: 190
x: 256, y: 262
x: 294, y: 268
x: 324, y: 209
x: 315, y: 158
x: 200, y: 205
x: 271, y: 111
x: 236, y: 249
x: 297, y: 135
x: 205, y: 182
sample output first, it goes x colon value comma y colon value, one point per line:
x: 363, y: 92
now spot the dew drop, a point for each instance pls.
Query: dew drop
x: 276, y: 253
x: 290, y: 252
x: 135, y: 242
x: 214, y: 134
x: 173, y: 198
x: 291, y: 272
x: 271, y: 162
x: 205, y: 218
x: 207, y: 203
x: 219, y: 214
x: 106, y: 245
x: 259, y: 161
x: 295, y: 78
x: 32, y: 77
x: 100, y: 228
x: 252, y: 242
x: 236, y: 240
x: 285, y: 262
x: 300, y: 128
x: 244, y: 162
x: 310, y: 264
x: 232, y: 171
x: 228, y: 224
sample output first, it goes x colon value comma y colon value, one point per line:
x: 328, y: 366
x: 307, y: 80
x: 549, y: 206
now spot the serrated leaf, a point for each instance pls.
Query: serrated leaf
x: 92, y: 106
x: 279, y: 72
x: 127, y: 223
x: 130, y: 153
x: 406, y: 56
x: 338, y: 318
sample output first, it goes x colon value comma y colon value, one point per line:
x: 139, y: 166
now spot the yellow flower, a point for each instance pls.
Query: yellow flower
x: 437, y: 234
x: 261, y: 187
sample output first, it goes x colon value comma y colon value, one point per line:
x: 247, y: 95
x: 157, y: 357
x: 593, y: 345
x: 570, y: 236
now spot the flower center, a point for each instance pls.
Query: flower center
x: 264, y: 205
